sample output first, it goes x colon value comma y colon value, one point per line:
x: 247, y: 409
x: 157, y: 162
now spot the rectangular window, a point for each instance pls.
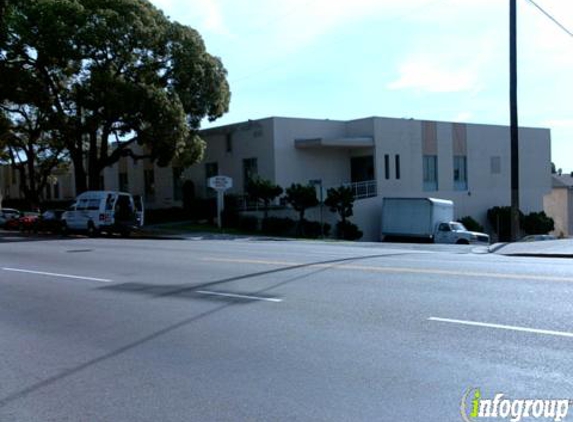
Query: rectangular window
x: 495, y: 165
x: 387, y: 166
x: 211, y: 169
x: 229, y: 142
x: 177, y: 184
x: 57, y: 190
x: 149, y: 185
x: 430, y: 163
x: 460, y: 172
x: 123, y: 182
x: 250, y: 170
x: 397, y: 166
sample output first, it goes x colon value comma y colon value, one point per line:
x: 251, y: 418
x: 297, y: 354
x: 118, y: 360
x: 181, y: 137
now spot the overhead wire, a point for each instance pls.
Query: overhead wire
x: 551, y: 17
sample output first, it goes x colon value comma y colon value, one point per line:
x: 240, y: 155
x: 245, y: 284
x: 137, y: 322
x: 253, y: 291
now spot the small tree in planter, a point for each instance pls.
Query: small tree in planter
x: 301, y: 197
x: 263, y: 190
x: 341, y: 201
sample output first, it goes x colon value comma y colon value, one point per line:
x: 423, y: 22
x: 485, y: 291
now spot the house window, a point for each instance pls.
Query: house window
x: 229, y: 142
x: 250, y: 170
x: 149, y: 185
x: 387, y: 166
x: 211, y: 169
x: 397, y: 166
x: 430, y: 172
x: 123, y: 182
x: 460, y: 172
x: 495, y: 165
x: 177, y: 183
x: 57, y: 190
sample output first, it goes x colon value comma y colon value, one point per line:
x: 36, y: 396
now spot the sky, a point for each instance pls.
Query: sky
x: 445, y: 60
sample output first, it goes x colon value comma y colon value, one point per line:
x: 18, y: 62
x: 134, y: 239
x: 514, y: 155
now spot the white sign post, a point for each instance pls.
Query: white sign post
x: 220, y: 184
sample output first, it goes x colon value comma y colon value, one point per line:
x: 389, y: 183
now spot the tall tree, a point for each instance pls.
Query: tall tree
x: 116, y: 78
x: 30, y: 149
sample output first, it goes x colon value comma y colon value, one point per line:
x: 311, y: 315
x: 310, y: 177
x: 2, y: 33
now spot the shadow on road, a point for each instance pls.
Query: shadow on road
x: 184, y: 292
x: 189, y: 290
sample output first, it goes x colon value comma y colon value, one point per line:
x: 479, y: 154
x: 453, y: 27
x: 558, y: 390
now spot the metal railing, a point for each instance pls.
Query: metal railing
x: 366, y: 189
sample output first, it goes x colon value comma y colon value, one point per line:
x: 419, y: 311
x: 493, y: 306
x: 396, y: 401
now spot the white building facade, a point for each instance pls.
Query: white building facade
x: 467, y: 163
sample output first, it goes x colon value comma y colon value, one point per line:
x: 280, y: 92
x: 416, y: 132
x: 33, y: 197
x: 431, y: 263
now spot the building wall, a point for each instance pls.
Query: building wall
x: 557, y: 205
x: 293, y: 165
x: 248, y: 140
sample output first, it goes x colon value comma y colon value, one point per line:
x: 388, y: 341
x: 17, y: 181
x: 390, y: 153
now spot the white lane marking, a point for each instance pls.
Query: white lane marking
x: 266, y: 299
x: 77, y: 277
x: 502, y: 327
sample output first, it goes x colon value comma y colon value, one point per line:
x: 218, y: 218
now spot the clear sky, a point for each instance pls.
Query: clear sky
x: 425, y: 59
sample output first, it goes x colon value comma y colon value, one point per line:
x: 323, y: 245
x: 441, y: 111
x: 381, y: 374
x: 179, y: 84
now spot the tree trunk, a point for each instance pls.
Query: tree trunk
x: 79, y: 170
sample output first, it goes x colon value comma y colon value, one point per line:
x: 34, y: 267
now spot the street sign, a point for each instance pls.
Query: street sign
x: 220, y: 183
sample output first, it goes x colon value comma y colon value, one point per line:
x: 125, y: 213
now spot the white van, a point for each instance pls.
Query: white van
x: 104, y: 211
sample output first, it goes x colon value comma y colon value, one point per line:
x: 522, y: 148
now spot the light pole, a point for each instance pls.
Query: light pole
x: 513, y: 120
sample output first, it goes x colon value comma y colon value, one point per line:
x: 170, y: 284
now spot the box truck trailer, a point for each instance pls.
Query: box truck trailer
x: 425, y: 219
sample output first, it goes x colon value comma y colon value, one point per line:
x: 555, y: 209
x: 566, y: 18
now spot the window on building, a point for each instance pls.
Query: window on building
x: 211, y: 169
x: 495, y: 165
x: 149, y: 185
x: 387, y: 166
x: 177, y: 184
x: 397, y: 165
x: 250, y: 170
x: 123, y: 182
x: 57, y: 190
x: 460, y: 172
x: 229, y: 142
x: 430, y: 171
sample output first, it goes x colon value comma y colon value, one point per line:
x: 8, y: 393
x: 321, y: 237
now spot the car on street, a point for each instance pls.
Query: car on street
x: 24, y: 223
x: 49, y: 221
x: 7, y: 214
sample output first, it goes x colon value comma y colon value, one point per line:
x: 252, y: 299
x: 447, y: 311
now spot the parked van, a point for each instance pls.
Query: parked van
x: 104, y: 211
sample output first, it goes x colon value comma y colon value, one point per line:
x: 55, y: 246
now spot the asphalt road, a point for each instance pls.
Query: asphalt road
x: 243, y: 330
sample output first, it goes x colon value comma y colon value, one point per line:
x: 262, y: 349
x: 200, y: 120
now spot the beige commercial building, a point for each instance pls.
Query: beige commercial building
x: 377, y: 157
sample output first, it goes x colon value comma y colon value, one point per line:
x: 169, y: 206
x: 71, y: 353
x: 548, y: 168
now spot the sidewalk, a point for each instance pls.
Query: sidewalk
x: 562, y: 248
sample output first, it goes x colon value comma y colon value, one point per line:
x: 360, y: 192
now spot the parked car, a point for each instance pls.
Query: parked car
x: 49, y: 221
x: 538, y: 237
x: 7, y: 214
x: 104, y: 211
x: 26, y: 221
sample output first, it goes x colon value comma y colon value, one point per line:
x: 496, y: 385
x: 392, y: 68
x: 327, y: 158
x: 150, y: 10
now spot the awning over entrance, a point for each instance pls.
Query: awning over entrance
x: 355, y: 142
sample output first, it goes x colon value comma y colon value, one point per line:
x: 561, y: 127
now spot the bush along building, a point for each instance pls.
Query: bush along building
x: 374, y: 157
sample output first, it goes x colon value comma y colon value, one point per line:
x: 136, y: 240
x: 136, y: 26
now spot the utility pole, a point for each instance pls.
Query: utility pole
x: 513, y: 120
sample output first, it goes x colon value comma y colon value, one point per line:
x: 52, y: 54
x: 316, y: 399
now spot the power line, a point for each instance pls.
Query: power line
x: 547, y: 14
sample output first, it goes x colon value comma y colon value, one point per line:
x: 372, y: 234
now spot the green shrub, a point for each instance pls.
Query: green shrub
x: 500, y: 220
x: 471, y: 224
x: 278, y: 226
x: 311, y: 229
x: 248, y: 223
x: 348, y: 231
x: 538, y: 223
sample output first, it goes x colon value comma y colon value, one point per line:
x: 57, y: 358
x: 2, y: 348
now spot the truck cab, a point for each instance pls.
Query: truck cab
x: 455, y: 232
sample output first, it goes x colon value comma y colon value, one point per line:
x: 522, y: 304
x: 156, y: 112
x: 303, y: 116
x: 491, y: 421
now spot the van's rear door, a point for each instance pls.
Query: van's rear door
x: 139, y: 210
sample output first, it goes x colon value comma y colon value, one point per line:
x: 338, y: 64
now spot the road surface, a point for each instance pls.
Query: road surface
x: 242, y: 330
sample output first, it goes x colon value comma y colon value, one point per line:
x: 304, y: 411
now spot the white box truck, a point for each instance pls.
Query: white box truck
x: 425, y: 219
